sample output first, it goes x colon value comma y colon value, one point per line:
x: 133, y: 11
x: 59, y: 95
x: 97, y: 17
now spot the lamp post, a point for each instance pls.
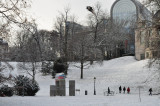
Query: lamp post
x: 94, y: 86
x: 90, y: 9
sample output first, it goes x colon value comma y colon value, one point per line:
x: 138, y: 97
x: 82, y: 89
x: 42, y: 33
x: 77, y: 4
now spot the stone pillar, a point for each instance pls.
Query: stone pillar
x: 53, y: 90
x: 57, y: 86
x: 71, y: 87
x: 61, y: 88
x: 62, y: 85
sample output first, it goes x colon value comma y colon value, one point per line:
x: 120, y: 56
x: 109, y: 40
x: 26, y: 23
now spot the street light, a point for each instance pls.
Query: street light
x: 94, y: 86
x: 89, y: 8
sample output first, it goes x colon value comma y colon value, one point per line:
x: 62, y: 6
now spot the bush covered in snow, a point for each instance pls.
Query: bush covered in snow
x: 60, y: 65
x: 6, y: 91
x: 25, y: 86
x: 47, y: 67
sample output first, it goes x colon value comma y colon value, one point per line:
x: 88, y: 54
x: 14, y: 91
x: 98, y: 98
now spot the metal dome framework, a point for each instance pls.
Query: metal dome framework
x: 129, y: 9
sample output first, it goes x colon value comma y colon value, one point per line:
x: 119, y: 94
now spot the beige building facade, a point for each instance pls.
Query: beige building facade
x: 147, y: 38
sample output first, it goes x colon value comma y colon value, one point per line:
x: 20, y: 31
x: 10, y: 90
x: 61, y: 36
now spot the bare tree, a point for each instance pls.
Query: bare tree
x: 59, y: 26
x: 154, y: 5
x: 49, y: 44
x: 12, y: 12
x: 82, y: 50
x: 29, y: 48
x: 109, y: 36
x: 119, y: 34
x: 97, y: 21
x: 62, y: 26
x: 66, y: 33
x: 96, y: 18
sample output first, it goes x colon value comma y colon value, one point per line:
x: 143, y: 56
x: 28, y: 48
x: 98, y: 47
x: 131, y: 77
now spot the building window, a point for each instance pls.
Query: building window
x: 150, y: 33
x: 142, y: 56
x: 154, y: 54
x: 142, y: 39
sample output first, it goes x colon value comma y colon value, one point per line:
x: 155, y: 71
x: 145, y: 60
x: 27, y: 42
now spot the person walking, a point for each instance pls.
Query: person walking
x: 128, y: 90
x: 124, y: 89
x: 150, y: 91
x: 109, y: 91
x: 120, y: 89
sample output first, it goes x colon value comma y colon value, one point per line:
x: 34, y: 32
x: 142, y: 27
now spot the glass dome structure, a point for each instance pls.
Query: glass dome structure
x: 124, y: 9
x: 130, y: 10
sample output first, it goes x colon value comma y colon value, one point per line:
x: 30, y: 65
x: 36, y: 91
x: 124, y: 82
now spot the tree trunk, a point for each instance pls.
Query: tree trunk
x: 82, y: 61
x: 81, y: 69
x: 95, y: 33
x: 33, y: 70
x: 66, y: 45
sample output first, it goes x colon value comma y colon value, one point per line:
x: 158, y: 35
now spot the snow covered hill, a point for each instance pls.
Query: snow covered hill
x: 124, y: 71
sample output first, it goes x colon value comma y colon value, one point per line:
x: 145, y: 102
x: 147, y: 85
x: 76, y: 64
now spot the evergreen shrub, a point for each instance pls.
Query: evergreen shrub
x: 60, y: 65
x: 6, y: 91
x: 25, y: 86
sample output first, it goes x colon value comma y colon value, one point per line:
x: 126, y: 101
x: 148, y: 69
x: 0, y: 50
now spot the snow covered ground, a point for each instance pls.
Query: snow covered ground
x: 124, y: 71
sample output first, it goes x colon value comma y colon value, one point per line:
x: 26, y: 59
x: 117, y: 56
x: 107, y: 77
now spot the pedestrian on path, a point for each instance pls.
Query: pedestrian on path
x: 124, y: 89
x: 120, y: 89
x: 128, y: 90
x: 109, y: 91
x: 150, y: 91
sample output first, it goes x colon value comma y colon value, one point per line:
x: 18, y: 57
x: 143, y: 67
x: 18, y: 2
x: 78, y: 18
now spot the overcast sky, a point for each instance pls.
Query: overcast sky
x: 45, y: 11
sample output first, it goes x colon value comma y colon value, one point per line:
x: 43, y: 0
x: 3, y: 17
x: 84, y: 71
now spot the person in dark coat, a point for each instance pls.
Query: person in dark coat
x: 150, y: 91
x: 120, y: 89
x: 128, y: 90
x: 124, y: 89
x: 109, y: 91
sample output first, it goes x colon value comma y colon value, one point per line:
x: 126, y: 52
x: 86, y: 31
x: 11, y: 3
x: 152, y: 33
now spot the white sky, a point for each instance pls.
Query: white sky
x: 45, y: 11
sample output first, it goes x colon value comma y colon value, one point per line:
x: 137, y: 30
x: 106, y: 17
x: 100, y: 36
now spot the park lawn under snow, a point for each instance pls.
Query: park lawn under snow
x: 124, y: 71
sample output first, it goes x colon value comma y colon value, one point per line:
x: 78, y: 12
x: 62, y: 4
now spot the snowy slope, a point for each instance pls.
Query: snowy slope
x: 124, y: 71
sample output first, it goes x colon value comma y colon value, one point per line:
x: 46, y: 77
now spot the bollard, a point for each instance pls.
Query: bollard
x: 85, y: 92
x: 71, y: 87
x: 53, y: 90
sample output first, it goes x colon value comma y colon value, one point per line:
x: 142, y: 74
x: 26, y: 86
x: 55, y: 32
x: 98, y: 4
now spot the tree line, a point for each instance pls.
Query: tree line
x: 101, y: 39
